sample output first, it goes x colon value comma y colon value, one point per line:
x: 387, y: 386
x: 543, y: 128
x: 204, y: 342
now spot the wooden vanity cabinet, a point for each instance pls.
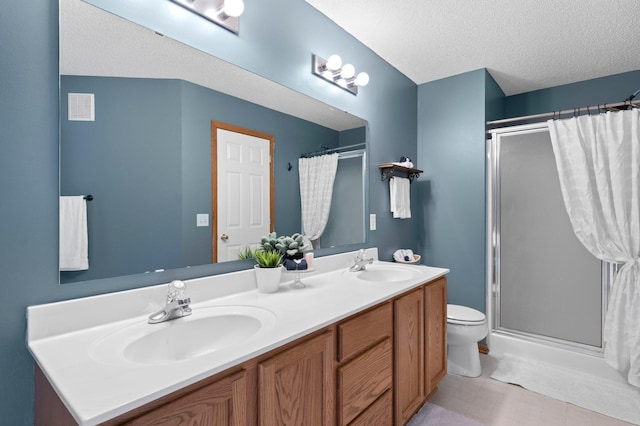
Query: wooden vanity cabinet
x: 297, y: 386
x: 223, y: 403
x: 409, y: 344
x: 376, y: 367
x: 420, y: 346
x: 365, y: 368
x: 435, y: 314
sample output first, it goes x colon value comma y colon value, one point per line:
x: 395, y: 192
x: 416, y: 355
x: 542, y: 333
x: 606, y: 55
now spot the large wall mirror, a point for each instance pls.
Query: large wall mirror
x: 145, y: 157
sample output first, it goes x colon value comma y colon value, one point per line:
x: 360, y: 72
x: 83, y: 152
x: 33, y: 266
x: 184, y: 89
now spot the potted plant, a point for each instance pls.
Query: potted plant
x: 291, y: 249
x: 292, y: 246
x: 268, y: 270
x: 247, y: 253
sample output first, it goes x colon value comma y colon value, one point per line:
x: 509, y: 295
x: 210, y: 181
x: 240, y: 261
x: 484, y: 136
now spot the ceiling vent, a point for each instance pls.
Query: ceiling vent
x: 81, y: 107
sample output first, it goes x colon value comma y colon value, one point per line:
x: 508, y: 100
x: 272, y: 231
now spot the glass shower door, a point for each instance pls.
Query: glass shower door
x: 546, y: 284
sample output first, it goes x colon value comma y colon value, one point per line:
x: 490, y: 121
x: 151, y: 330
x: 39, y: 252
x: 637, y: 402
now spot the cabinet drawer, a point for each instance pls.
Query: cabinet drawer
x: 362, y: 380
x: 363, y: 331
x: 378, y: 414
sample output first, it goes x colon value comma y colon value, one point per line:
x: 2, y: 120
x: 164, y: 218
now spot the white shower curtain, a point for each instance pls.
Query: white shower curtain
x: 598, y: 159
x: 316, y: 189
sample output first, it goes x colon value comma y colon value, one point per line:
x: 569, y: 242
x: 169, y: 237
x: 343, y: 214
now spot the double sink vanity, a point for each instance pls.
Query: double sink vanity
x: 351, y: 348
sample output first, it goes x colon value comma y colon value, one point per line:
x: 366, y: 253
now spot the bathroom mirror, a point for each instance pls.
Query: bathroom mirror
x: 145, y: 157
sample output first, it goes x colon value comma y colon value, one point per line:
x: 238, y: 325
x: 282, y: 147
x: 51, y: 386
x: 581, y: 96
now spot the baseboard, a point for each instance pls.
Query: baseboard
x: 483, y: 349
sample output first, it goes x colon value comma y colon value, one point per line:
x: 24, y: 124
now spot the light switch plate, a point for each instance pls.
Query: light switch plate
x: 372, y: 222
x: 202, y: 219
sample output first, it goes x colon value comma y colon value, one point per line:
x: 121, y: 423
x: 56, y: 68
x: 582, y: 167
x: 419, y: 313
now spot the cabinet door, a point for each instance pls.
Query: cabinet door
x: 297, y: 386
x: 409, y: 354
x: 435, y: 296
x: 221, y: 403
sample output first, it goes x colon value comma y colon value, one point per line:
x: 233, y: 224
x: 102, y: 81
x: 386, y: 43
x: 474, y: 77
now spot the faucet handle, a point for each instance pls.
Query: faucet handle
x: 176, y: 291
x: 360, y: 254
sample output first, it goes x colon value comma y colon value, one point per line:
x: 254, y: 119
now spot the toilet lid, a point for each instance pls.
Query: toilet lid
x: 459, y: 313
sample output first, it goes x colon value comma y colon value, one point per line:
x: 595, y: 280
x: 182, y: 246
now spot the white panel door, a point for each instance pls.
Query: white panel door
x: 244, y: 185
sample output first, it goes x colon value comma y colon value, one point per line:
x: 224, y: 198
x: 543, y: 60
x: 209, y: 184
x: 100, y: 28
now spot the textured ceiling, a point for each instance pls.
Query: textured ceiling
x: 525, y: 44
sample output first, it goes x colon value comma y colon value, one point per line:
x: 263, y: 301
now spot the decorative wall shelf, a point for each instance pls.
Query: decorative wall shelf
x: 389, y: 170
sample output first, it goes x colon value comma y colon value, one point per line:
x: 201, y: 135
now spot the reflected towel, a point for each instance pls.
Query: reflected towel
x: 399, y: 199
x: 74, y: 245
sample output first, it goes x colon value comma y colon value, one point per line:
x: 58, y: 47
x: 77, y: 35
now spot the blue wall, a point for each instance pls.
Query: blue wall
x: 129, y: 160
x: 29, y: 152
x: 598, y: 91
x: 451, y: 151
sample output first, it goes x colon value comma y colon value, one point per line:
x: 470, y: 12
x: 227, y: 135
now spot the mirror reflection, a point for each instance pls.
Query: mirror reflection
x: 144, y: 151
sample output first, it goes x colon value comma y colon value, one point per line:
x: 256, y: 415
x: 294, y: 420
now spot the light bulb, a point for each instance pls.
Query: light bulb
x: 328, y: 74
x: 348, y: 71
x: 362, y: 79
x: 211, y: 13
x: 233, y: 7
x: 334, y: 62
x: 342, y: 82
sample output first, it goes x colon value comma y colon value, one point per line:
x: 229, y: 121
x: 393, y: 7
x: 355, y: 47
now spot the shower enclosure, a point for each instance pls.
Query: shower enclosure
x: 544, y: 286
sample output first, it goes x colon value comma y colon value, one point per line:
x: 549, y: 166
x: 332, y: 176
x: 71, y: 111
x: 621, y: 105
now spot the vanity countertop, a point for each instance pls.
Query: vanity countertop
x: 62, y: 336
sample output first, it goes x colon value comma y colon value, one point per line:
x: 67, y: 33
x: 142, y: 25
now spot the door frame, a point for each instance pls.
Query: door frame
x: 215, y: 125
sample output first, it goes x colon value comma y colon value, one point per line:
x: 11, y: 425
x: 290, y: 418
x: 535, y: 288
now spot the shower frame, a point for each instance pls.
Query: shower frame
x: 608, y: 270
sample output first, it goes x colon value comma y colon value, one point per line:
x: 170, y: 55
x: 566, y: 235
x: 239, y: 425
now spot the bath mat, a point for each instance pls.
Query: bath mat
x: 584, y: 390
x: 434, y: 415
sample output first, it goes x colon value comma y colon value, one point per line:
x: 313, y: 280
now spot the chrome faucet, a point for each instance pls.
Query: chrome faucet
x: 360, y: 262
x: 177, y: 305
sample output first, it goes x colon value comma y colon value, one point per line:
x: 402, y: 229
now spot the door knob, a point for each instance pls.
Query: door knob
x: 224, y: 237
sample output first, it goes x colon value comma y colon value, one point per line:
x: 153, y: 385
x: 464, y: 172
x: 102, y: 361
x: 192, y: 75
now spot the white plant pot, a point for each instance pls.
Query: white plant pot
x: 268, y: 279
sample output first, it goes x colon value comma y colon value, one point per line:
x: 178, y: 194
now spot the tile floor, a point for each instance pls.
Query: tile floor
x: 495, y: 403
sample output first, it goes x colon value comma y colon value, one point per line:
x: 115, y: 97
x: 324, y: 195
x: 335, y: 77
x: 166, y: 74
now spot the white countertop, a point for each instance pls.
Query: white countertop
x: 61, y: 335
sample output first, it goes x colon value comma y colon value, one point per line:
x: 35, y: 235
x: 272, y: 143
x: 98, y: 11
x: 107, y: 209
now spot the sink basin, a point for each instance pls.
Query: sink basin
x: 386, y: 273
x: 206, y: 331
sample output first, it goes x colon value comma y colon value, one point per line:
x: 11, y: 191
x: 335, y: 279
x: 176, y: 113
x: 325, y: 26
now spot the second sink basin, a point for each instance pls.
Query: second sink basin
x: 207, y: 330
x: 386, y: 272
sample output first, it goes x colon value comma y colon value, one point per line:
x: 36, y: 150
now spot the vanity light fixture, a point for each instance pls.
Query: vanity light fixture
x: 344, y: 76
x: 221, y: 12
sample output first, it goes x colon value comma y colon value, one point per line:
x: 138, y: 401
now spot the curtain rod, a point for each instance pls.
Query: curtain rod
x: 330, y: 150
x: 609, y: 107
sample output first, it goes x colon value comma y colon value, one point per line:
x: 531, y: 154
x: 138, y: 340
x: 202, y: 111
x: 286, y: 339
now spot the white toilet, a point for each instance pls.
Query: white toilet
x: 465, y: 327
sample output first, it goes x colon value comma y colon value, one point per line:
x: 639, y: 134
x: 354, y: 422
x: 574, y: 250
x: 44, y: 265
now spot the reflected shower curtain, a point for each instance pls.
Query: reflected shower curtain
x: 317, y: 175
x: 598, y: 160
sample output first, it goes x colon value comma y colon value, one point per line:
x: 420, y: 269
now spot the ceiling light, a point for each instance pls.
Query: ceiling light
x: 224, y: 13
x: 362, y: 79
x: 348, y: 71
x: 233, y: 8
x: 333, y: 71
x: 334, y: 62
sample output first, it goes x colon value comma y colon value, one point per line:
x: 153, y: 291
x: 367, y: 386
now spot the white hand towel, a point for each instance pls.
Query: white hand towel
x: 399, y: 199
x: 74, y: 246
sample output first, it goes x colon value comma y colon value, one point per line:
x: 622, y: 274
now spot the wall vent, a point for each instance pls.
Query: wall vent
x: 81, y: 107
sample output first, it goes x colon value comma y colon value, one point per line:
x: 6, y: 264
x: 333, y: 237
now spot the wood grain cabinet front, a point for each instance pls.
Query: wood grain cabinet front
x: 297, y: 386
x: 365, y: 369
x: 435, y: 305
x: 420, y: 346
x: 409, y: 337
x: 221, y: 403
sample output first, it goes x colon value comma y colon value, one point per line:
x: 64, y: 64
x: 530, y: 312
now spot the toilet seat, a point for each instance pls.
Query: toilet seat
x: 464, y: 315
